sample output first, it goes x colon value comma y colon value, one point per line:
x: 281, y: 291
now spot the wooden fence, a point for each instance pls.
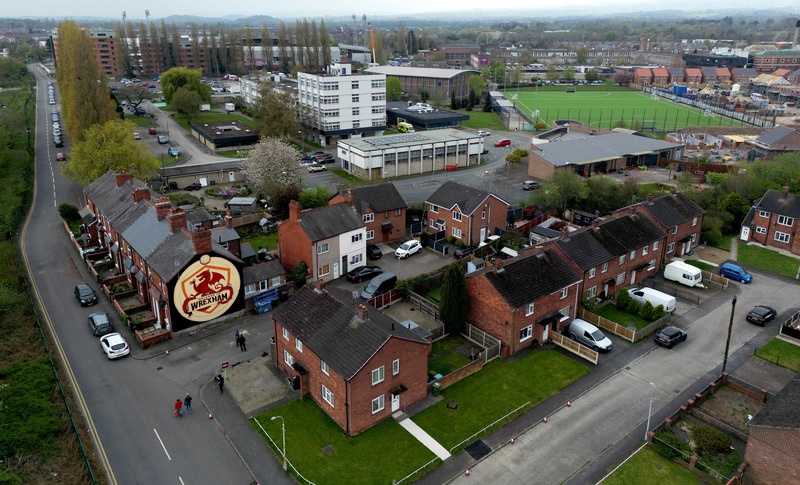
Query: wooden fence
x: 491, y: 344
x: 574, y: 347
x: 613, y: 327
x: 385, y: 299
x: 423, y: 305
x: 249, y: 218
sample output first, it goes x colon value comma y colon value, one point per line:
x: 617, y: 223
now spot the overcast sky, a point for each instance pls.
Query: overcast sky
x: 316, y: 8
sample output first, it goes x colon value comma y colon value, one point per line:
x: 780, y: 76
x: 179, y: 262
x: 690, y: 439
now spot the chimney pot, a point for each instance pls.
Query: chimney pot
x: 785, y: 192
x: 649, y: 197
x: 595, y: 223
x: 320, y: 284
x: 177, y: 219
x: 294, y: 211
x: 142, y: 193
x: 228, y: 220
x: 498, y: 265
x: 124, y: 177
x: 163, y: 206
x: 564, y: 233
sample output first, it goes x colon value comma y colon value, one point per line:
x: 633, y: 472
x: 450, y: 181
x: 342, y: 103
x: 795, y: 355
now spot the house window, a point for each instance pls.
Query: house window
x: 324, y: 366
x: 433, y: 208
x: 456, y: 232
x: 644, y: 251
x: 327, y: 395
x: 276, y: 280
x: 694, y: 222
x: 249, y: 289
x: 395, y: 367
x: 592, y: 272
x: 652, y: 265
x: 564, y: 292
x: 564, y: 313
x: 368, y: 217
x: 370, y: 235
x: 386, y: 215
x: 671, y: 247
x: 356, y: 258
x: 591, y: 292
x: 604, y: 268
x: 621, y: 260
x: 633, y: 255
x: 529, y: 309
x: 356, y: 237
x: 398, y: 212
x: 323, y: 270
x: 761, y: 230
x: 377, y: 375
x: 456, y: 216
x: 526, y: 333
x: 322, y: 248
x: 287, y: 357
x: 620, y: 278
x: 285, y: 334
x: 781, y: 237
x: 298, y: 345
x: 483, y: 214
x: 377, y: 404
x: 785, y: 221
x: 763, y: 214
x: 675, y: 230
x: 655, y: 246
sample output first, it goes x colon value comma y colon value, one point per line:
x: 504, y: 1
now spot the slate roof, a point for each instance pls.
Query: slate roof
x: 327, y: 324
x: 144, y: 233
x: 223, y: 234
x: 452, y: 194
x: 262, y: 271
x: 196, y: 216
x: 380, y: 198
x: 771, y: 202
x: 775, y: 135
x: 599, y: 148
x: 179, y: 249
x: 744, y: 72
x: 676, y: 72
x: 781, y: 410
x: 673, y: 209
x: 178, y: 170
x: 110, y: 199
x: 329, y: 221
x: 527, y: 278
x: 590, y: 247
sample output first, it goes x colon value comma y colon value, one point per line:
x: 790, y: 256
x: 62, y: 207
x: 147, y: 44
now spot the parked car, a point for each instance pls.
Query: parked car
x: 315, y: 167
x: 462, y: 251
x: 363, y: 273
x: 589, y: 335
x: 100, y: 324
x: 379, y: 285
x: 194, y: 186
x: 485, y: 151
x: 60, y: 157
x: 761, y: 315
x: 173, y: 152
x: 407, y: 249
x: 317, y: 156
x: 655, y: 298
x: 670, y: 336
x: 58, y: 142
x: 735, y: 272
x: 483, y: 133
x: 85, y: 295
x: 373, y: 252
x: 531, y: 184
x: 502, y: 143
x: 326, y: 159
x: 307, y: 163
x: 162, y: 139
x: 114, y: 346
x: 140, y: 111
x: 152, y: 131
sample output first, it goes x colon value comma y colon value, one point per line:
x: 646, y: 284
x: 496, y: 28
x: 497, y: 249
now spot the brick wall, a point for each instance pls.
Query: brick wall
x: 771, y: 456
x: 771, y: 225
x: 294, y: 245
x: 461, y: 373
x: 538, y: 167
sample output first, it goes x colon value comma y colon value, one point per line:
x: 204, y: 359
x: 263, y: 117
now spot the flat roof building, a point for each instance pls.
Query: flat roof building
x: 437, y: 82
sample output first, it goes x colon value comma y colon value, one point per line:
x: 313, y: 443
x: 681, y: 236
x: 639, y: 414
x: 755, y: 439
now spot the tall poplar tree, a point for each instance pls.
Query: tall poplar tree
x: 175, y: 46
x: 123, y: 49
x: 325, y: 44
x: 283, y: 46
x: 250, y: 48
x: 266, y: 47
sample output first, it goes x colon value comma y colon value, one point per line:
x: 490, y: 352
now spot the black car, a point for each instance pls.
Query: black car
x: 85, y: 295
x: 373, y: 252
x: 761, y: 315
x: 194, y: 186
x: 58, y: 142
x: 100, y: 324
x: 462, y: 251
x: 670, y: 336
x: 485, y: 151
x: 363, y: 273
x: 325, y: 159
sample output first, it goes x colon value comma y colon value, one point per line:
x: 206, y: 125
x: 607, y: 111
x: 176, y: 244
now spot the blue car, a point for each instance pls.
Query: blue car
x: 173, y: 152
x: 734, y: 272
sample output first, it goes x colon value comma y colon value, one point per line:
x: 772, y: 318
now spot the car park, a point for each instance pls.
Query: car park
x: 373, y: 252
x: 483, y: 133
x: 485, y: 151
x: 326, y: 159
x: 194, y: 186
x: 60, y: 157
x: 462, y: 252
x: 363, y: 273
x: 162, y: 139
x: 530, y: 185
x: 99, y: 324
x: 315, y: 167
x: 407, y: 249
x: 761, y: 315
x: 502, y: 143
x: 152, y: 131
x: 589, y: 335
x: 670, y: 336
x: 735, y: 272
x: 85, y: 295
x: 114, y: 346
x: 173, y: 152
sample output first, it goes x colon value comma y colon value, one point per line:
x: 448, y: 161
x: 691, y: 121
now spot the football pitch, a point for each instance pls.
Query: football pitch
x: 607, y: 109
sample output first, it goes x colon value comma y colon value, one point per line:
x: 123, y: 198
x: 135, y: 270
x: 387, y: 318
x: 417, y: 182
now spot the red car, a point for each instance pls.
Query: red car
x: 60, y: 156
x: 152, y: 131
x: 502, y: 143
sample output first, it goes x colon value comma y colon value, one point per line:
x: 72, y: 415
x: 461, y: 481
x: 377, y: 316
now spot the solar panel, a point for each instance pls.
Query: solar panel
x: 395, y: 139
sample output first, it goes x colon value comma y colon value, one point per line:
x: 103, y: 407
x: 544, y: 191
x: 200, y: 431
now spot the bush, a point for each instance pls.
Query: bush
x: 589, y: 304
x: 459, y: 243
x: 647, y: 311
x: 711, y: 441
x: 668, y: 437
x: 538, y: 126
x: 298, y: 275
x: 451, y: 239
x: 658, y: 312
x: 623, y: 298
x: 69, y: 212
x: 714, y: 237
x: 633, y: 307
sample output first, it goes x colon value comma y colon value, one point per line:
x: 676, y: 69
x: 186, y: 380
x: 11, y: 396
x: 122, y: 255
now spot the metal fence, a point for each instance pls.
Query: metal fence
x: 288, y: 463
x: 479, y: 433
x: 491, y: 344
x: 763, y: 119
x: 687, y: 458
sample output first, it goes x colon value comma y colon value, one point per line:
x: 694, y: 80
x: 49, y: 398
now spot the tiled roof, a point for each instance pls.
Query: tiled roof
x: 673, y: 209
x: 329, y: 221
x: 223, y: 234
x: 744, y: 72
x: 771, y: 202
x: 380, y: 197
x: 177, y: 250
x: 452, y: 194
x: 262, y: 271
x: 775, y: 135
x: 781, y: 410
x: 525, y: 279
x: 146, y: 232
x: 327, y: 324
x: 110, y: 199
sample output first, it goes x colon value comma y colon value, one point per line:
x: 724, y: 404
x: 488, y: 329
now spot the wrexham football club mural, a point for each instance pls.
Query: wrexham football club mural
x: 206, y: 289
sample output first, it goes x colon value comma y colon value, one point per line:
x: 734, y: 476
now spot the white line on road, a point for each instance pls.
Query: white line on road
x: 162, y: 445
x: 181, y: 480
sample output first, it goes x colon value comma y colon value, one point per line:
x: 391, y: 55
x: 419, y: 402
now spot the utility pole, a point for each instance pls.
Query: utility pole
x: 728, y: 341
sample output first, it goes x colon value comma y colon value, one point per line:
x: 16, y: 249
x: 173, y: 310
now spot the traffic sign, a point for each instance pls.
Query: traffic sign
x: 224, y: 365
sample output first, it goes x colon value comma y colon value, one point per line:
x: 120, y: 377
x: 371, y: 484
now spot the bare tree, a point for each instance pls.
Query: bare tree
x: 250, y: 48
x: 272, y: 164
x: 283, y: 46
x: 266, y: 47
x: 324, y: 44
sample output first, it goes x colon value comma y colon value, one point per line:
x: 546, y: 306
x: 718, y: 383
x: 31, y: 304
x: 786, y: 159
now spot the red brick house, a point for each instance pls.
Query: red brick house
x: 642, y: 76
x: 676, y: 74
x: 693, y: 75
x: 743, y: 75
x: 613, y: 253
x: 464, y: 212
x: 356, y: 363
x: 777, y: 141
x: 774, y: 221
x: 660, y: 76
x: 675, y: 214
x: 723, y: 75
x: 382, y: 209
x: 774, y: 442
x: 521, y: 300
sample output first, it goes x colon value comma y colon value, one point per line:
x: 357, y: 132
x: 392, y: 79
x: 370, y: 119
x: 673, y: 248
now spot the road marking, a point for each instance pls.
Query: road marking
x: 181, y: 480
x: 162, y: 445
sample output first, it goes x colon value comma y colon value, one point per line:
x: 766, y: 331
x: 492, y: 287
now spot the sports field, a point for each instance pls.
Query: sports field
x: 605, y: 109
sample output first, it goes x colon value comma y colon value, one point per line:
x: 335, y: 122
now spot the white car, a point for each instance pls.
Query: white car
x: 114, y: 346
x: 315, y: 167
x: 483, y: 133
x: 407, y: 249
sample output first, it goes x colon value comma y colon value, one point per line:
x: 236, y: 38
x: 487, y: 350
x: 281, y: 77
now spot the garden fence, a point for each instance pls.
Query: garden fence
x: 385, y: 299
x: 686, y: 459
x: 611, y: 326
x: 574, y: 347
x: 644, y: 332
x: 423, y: 305
x: 491, y: 344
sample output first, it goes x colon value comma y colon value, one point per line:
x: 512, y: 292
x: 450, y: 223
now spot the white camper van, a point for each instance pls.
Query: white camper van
x: 685, y: 274
x: 655, y: 298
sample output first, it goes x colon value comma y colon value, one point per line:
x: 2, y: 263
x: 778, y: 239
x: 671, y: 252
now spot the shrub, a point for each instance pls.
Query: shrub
x: 298, y: 275
x: 633, y: 307
x: 675, y: 444
x: 713, y: 237
x: 538, y: 126
x: 647, y: 311
x: 658, y: 312
x: 451, y: 239
x: 459, y: 243
x: 623, y: 298
x: 710, y: 440
x: 589, y: 304
x: 69, y: 212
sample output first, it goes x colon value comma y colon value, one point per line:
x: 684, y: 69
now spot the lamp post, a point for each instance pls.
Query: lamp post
x: 728, y: 341
x: 302, y: 142
x: 649, y: 410
x: 283, y: 432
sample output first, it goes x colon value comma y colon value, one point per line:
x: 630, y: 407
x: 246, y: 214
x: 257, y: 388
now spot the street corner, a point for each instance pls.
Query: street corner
x: 256, y: 384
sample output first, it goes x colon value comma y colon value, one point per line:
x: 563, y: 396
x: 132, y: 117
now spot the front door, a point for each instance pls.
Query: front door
x: 335, y: 270
x: 395, y: 402
x: 545, y: 333
x: 231, y: 176
x: 745, y: 233
x: 633, y: 277
x: 483, y: 234
x: 344, y: 264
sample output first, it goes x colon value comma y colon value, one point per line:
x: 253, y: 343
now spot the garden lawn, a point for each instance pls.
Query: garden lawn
x: 267, y: 241
x: 650, y: 468
x: 436, y: 294
x: 206, y: 117
x: 622, y: 317
x: 700, y: 264
x: 768, y: 259
x: 347, y: 176
x: 138, y: 120
x: 498, y: 389
x: 381, y: 454
x: 235, y: 154
x: 448, y: 363
x: 782, y: 353
x: 479, y: 120
x: 450, y: 342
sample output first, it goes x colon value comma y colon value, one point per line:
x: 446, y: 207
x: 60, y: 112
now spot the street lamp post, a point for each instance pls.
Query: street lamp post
x: 283, y: 432
x: 650, y: 410
x: 728, y: 341
x: 302, y: 142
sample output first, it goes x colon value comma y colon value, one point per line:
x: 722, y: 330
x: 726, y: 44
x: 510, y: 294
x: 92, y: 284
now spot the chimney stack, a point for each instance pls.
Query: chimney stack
x: 320, y: 284
x: 649, y: 197
x: 564, y: 233
x: 294, y: 211
x: 498, y: 265
x: 362, y: 312
x: 202, y: 241
x: 672, y: 191
x: 595, y: 223
x: 140, y: 194
x: 124, y: 177
x: 785, y: 192
x: 228, y: 220
x: 350, y: 198
x: 539, y: 250
x: 163, y: 206
x: 177, y: 220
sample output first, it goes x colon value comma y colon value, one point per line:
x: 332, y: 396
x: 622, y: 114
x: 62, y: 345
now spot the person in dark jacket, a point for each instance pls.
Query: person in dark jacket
x: 187, y: 401
x: 241, y: 342
x: 221, y: 381
x: 238, y: 338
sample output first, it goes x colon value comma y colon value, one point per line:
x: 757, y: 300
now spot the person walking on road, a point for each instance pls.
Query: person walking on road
x: 187, y: 401
x: 241, y: 342
x: 221, y: 381
x: 238, y: 338
x: 178, y: 408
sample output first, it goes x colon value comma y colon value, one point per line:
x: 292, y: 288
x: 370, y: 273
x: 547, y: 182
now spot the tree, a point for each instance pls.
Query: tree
x: 186, y: 102
x: 324, y: 44
x: 313, y: 198
x: 568, y: 74
x: 266, y: 47
x: 592, y: 75
x: 487, y: 103
x: 178, y: 77
x: 279, y: 202
x: 123, y: 57
x: 134, y: 94
x: 564, y: 189
x: 582, y: 55
x: 274, y: 163
x: 438, y: 56
x: 623, y: 77
x: 380, y: 52
x: 476, y: 84
x: 297, y: 68
x: 394, y: 88
x: 284, y: 46
x: 784, y: 169
x: 455, y: 303
x: 453, y: 103
x: 276, y: 112
x: 250, y: 47
x: 109, y: 146
x: 551, y: 74
x: 423, y: 94
x: 495, y: 72
x: 517, y: 155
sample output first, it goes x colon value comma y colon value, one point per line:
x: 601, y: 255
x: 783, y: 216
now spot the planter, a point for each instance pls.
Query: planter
x: 150, y: 336
x: 122, y: 294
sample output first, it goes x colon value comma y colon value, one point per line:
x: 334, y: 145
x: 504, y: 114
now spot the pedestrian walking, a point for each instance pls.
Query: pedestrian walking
x: 241, y: 342
x: 221, y: 381
x: 238, y: 338
x: 187, y: 401
x: 178, y: 408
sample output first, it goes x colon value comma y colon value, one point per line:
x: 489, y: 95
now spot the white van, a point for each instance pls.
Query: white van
x: 655, y: 298
x: 589, y: 335
x: 685, y: 274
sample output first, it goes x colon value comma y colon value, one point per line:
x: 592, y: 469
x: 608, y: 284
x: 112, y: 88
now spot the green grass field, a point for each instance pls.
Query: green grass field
x: 605, y: 109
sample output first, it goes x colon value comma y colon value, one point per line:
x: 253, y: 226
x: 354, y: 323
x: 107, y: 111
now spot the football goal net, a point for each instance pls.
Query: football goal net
x: 570, y: 89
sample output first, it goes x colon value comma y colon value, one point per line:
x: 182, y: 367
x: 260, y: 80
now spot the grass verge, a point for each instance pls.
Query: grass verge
x: 622, y: 317
x: 649, y: 468
x: 479, y: 120
x: 448, y: 363
x: 700, y: 264
x: 235, y: 154
x: 768, y: 260
x: 347, y: 176
x: 782, y: 353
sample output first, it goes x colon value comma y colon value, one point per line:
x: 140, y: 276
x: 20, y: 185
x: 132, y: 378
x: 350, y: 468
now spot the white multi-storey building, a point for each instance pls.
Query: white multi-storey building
x: 342, y: 104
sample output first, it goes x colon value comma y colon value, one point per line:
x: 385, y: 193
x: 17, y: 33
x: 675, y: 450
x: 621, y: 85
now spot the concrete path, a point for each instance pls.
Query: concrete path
x: 735, y: 248
x: 424, y: 438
